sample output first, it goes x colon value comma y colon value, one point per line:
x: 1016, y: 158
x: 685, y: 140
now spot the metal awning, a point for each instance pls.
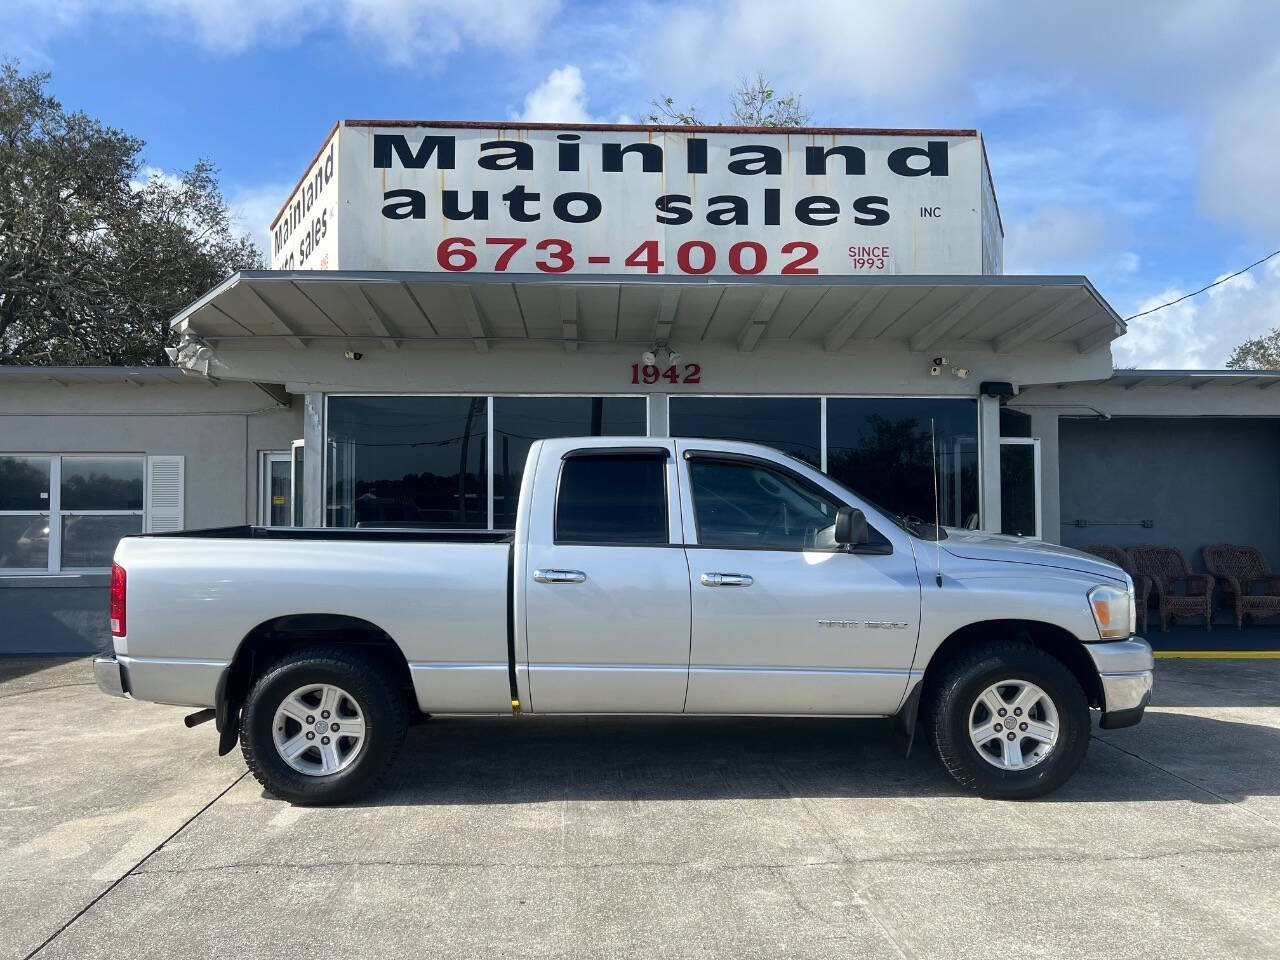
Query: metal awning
x: 1133, y: 379
x: 261, y: 308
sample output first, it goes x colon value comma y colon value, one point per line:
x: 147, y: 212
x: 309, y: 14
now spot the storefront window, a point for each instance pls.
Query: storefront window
x: 67, y: 512
x: 407, y: 460
x: 790, y: 424
x: 881, y: 448
x: 518, y: 421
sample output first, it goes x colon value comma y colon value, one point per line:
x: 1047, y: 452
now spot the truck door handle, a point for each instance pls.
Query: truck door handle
x: 726, y: 580
x: 559, y: 576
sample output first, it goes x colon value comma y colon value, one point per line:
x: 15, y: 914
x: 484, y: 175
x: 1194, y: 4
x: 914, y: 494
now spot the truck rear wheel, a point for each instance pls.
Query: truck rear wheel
x: 1009, y: 721
x: 322, y: 726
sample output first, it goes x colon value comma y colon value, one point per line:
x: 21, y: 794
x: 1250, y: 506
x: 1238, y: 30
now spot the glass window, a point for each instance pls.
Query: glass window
x: 518, y: 421
x: 738, y: 504
x: 89, y: 540
x: 24, y: 483
x: 790, y: 424
x: 24, y: 541
x: 102, y: 483
x: 412, y: 460
x: 1018, y: 489
x: 612, y: 498
x: 881, y: 447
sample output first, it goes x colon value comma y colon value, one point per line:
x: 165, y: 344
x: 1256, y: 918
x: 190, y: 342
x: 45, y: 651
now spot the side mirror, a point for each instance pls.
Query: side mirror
x: 851, y: 527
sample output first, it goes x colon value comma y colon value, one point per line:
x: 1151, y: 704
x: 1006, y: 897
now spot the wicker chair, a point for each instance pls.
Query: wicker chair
x: 1237, y: 569
x: 1167, y: 567
x: 1141, y: 582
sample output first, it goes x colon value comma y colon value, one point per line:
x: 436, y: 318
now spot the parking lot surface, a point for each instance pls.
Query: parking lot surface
x: 122, y: 834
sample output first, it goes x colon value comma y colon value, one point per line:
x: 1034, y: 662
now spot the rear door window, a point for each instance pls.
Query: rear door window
x: 613, y: 498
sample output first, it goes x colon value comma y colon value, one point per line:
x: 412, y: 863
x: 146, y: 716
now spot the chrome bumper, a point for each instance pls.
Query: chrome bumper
x: 1125, y: 668
x: 109, y: 673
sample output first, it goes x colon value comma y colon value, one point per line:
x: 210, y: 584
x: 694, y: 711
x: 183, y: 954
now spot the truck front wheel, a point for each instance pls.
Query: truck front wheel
x: 1009, y: 721
x: 322, y: 726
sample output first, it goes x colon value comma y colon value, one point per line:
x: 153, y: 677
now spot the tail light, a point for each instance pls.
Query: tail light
x: 117, y: 600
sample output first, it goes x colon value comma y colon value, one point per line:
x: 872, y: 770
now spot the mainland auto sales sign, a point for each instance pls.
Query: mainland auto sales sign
x: 642, y: 200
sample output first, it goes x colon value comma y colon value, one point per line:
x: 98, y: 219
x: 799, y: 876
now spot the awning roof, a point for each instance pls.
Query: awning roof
x: 300, y: 307
x: 135, y: 376
x: 1192, y: 379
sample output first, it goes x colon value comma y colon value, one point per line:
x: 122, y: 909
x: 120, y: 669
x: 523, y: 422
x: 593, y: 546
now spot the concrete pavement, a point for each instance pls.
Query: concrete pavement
x: 125, y: 836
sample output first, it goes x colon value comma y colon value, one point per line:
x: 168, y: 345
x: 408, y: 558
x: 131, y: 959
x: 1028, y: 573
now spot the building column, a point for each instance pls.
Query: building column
x: 1044, y: 425
x: 658, y: 425
x: 313, y: 460
x: 989, y: 459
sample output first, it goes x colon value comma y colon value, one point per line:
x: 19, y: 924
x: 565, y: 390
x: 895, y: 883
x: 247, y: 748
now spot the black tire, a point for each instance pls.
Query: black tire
x: 385, y: 719
x: 953, y: 697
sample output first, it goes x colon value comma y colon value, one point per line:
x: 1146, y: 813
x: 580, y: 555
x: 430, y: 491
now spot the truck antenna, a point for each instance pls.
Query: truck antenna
x: 937, y: 529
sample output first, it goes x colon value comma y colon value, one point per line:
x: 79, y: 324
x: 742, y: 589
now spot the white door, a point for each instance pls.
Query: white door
x: 606, y: 584
x: 275, y: 482
x: 784, y: 620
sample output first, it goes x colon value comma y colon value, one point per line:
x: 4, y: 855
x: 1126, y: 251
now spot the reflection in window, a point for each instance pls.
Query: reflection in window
x: 24, y: 541
x: 747, y: 505
x: 89, y: 540
x: 790, y: 424
x: 24, y: 483
x: 407, y: 460
x: 518, y: 421
x: 101, y: 483
x: 881, y: 448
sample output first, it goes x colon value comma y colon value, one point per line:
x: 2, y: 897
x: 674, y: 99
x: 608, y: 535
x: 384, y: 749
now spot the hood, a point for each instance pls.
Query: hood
x: 976, y: 545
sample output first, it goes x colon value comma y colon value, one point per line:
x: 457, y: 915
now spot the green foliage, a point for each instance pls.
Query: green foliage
x: 1260, y: 353
x: 753, y: 103
x: 94, y: 261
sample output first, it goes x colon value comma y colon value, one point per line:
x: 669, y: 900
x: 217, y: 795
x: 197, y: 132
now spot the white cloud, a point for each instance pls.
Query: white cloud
x: 1202, y: 331
x: 418, y: 31
x: 254, y: 207
x: 561, y: 98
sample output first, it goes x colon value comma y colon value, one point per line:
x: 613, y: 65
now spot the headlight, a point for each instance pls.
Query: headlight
x: 1113, y: 611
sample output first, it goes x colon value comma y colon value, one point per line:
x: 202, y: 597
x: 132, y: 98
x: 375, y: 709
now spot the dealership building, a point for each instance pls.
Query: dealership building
x: 443, y: 294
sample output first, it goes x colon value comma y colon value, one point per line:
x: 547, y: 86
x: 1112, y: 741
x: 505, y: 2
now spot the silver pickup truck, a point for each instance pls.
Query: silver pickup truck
x: 644, y: 576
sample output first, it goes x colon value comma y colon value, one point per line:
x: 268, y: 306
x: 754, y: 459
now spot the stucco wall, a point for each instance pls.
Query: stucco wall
x: 1200, y: 480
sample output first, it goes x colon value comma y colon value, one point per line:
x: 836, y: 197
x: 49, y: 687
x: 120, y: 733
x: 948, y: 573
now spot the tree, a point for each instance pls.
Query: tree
x: 1260, y: 353
x: 753, y: 103
x: 94, y: 261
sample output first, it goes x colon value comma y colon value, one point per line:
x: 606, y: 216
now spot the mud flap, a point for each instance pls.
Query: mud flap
x: 226, y: 716
x: 904, y: 721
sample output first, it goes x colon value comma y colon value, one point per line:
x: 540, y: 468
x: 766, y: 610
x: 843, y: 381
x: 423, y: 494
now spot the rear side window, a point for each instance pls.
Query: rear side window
x: 612, y: 498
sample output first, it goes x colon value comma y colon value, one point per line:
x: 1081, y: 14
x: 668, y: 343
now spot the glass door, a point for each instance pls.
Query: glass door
x: 1020, y: 487
x: 295, y: 482
x: 275, y: 506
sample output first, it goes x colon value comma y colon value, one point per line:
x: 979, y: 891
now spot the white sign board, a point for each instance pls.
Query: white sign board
x: 635, y: 200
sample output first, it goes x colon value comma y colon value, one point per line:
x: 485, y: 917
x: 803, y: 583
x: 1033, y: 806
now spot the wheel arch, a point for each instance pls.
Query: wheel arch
x: 1058, y: 642
x: 281, y: 635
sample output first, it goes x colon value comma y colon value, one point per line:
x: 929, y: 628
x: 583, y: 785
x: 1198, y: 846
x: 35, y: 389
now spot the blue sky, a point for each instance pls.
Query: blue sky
x: 1135, y: 142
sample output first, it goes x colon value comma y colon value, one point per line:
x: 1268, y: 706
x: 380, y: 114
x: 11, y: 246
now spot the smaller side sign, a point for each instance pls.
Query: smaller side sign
x: 304, y: 235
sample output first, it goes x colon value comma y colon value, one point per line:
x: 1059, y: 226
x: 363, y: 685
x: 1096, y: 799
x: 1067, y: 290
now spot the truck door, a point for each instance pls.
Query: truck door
x: 784, y: 620
x: 605, y: 582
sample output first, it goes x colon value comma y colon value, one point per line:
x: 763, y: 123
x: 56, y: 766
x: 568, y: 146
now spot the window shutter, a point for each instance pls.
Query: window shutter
x: 165, y: 494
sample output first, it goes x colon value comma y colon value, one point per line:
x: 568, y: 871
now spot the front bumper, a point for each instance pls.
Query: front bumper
x: 111, y: 676
x: 1125, y: 668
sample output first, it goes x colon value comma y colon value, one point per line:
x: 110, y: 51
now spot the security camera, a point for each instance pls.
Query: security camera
x: 353, y: 354
x: 935, y: 370
x: 961, y: 372
x: 940, y: 361
x: 648, y: 357
x: 203, y: 354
